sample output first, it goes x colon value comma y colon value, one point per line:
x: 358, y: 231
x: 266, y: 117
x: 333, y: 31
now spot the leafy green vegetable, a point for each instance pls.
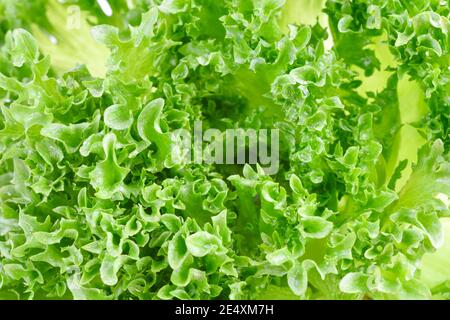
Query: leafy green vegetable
x: 93, y: 204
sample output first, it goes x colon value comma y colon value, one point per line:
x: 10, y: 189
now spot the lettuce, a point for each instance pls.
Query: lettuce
x: 93, y: 204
